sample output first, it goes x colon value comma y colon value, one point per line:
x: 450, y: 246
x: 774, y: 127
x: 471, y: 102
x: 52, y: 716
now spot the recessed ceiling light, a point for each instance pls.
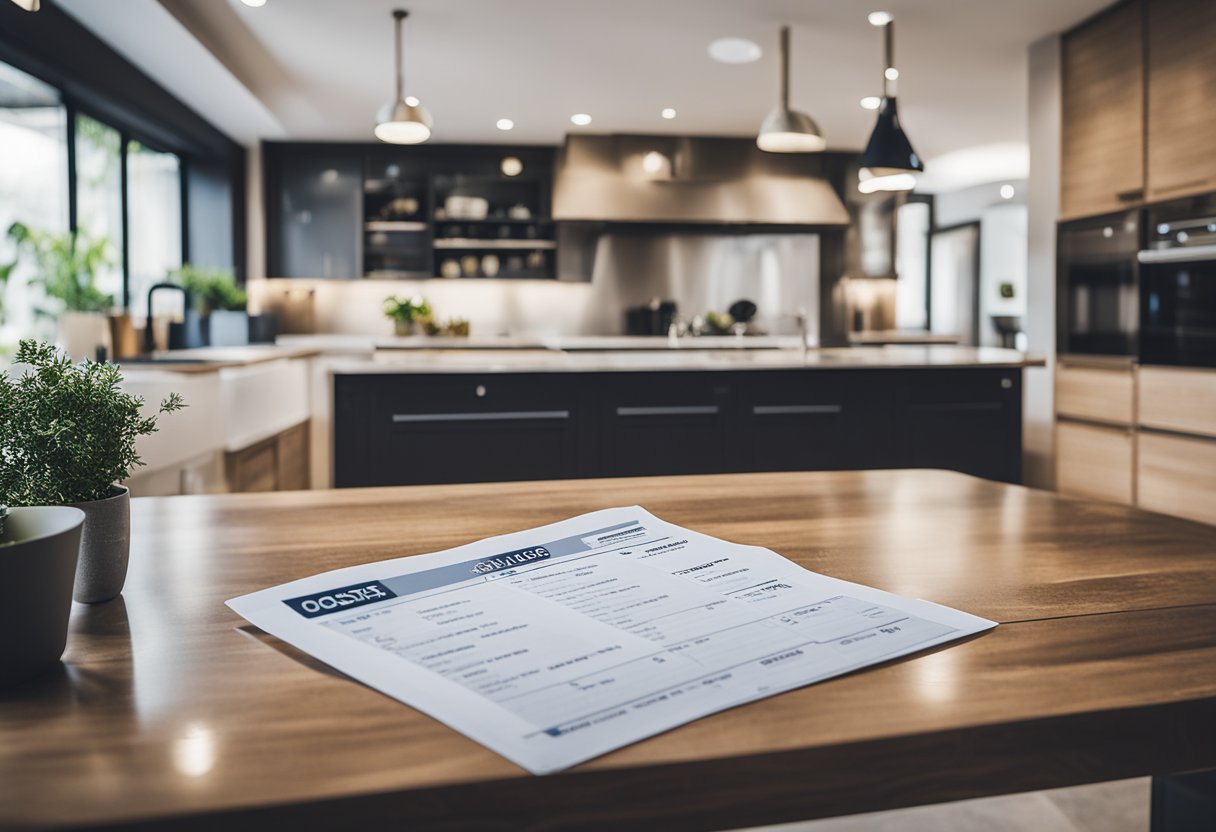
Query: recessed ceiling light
x: 879, y: 18
x: 871, y: 102
x: 668, y: 113
x: 511, y: 166
x: 504, y: 124
x: 581, y: 119
x: 254, y: 3
x: 1007, y: 192
x: 735, y: 51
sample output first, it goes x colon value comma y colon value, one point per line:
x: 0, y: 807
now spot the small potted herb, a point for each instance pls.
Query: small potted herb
x: 66, y: 267
x: 38, y: 550
x: 67, y: 436
x: 219, y: 302
x: 409, y: 315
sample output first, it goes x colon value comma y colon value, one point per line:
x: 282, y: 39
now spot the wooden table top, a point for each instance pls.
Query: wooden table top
x: 169, y: 707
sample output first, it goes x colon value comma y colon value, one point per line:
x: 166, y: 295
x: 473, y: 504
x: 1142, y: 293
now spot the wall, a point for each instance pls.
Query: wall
x: 1003, y: 235
x: 1043, y: 206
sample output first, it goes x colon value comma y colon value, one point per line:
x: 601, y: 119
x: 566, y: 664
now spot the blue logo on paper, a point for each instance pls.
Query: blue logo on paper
x: 338, y: 600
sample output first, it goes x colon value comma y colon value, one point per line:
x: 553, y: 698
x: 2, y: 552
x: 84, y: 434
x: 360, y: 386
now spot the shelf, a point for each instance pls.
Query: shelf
x: 463, y: 243
x: 394, y: 274
x: 500, y: 221
x: 394, y: 225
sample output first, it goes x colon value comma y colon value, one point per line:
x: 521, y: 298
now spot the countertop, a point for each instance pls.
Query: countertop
x: 210, y: 359
x: 557, y: 361
x: 170, y: 711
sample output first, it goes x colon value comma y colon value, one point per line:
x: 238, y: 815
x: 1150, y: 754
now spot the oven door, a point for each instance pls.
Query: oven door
x: 1178, y: 306
x: 1098, y: 297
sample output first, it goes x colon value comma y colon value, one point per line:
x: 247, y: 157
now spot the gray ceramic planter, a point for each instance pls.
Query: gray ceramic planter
x: 37, y: 567
x: 105, y: 546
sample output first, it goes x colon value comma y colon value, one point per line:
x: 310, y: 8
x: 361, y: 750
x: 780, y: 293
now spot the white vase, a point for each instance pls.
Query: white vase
x: 81, y: 333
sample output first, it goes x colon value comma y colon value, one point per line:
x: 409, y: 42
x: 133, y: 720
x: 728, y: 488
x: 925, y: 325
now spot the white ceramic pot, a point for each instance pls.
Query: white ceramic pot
x: 81, y: 333
x: 38, y: 551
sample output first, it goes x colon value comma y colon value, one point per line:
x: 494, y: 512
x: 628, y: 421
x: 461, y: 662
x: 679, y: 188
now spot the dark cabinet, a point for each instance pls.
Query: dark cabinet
x: 314, y: 216
x: 399, y: 429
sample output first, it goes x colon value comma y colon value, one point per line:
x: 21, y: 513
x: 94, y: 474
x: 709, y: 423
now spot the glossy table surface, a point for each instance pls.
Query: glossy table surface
x: 169, y: 708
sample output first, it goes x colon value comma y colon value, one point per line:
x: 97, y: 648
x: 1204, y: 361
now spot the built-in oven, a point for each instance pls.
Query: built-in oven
x: 1178, y: 285
x: 1097, y: 300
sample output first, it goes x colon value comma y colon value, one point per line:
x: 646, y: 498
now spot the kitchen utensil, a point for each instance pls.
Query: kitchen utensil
x: 449, y: 268
x: 519, y: 211
x: 468, y: 265
x: 490, y: 265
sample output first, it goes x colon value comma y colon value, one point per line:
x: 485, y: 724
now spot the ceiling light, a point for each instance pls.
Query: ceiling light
x: 581, y: 119
x: 786, y: 130
x: 734, y: 51
x: 511, y: 166
x: 402, y: 120
x: 32, y: 5
x: 889, y: 153
x: 1007, y: 192
x: 871, y: 102
x: 668, y: 113
x: 879, y: 18
x: 504, y: 124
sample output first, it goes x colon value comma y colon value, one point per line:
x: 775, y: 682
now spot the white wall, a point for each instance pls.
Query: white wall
x: 1043, y: 204
x: 1003, y: 236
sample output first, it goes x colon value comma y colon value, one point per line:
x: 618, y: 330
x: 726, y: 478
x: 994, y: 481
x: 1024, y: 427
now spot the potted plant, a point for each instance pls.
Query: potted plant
x: 408, y: 315
x: 66, y: 268
x: 38, y: 550
x: 68, y: 437
x: 218, y: 301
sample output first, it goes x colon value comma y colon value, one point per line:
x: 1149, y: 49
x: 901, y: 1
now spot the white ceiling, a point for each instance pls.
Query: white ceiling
x: 321, y: 68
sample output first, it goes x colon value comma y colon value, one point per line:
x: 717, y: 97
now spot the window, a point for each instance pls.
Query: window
x: 154, y: 220
x: 99, y: 195
x: 33, y: 189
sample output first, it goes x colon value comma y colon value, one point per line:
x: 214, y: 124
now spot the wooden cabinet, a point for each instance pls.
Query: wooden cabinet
x: 1181, y: 97
x: 1102, y: 150
x: 278, y: 463
x: 1180, y: 399
x: 398, y: 429
x: 1177, y: 475
x: 1101, y: 394
x: 1094, y: 461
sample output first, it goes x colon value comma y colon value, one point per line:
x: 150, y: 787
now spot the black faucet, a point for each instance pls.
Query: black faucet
x: 182, y: 335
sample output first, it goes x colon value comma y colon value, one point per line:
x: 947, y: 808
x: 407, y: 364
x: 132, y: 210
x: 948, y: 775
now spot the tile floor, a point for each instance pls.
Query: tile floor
x: 1121, y: 806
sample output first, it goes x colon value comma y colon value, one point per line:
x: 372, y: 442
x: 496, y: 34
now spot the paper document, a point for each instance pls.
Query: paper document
x: 557, y: 644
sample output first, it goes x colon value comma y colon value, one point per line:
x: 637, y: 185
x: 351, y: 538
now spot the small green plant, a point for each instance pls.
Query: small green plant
x: 407, y: 310
x: 211, y: 289
x: 67, y: 431
x: 65, y: 266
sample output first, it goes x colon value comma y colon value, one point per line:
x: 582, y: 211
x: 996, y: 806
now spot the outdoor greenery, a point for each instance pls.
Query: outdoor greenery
x: 67, y: 431
x: 65, y: 266
x: 407, y: 310
x: 211, y: 289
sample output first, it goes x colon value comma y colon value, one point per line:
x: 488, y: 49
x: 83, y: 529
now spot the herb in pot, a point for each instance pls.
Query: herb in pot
x: 212, y: 289
x: 407, y: 313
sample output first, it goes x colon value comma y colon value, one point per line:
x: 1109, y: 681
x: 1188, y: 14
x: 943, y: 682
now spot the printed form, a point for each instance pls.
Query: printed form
x: 557, y: 644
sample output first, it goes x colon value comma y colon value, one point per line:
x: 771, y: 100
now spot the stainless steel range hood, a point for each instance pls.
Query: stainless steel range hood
x: 691, y: 181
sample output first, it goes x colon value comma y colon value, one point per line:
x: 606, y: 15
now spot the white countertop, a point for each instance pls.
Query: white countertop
x: 640, y: 360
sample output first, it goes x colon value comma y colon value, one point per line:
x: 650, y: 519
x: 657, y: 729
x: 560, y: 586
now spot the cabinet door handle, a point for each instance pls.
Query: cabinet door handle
x: 791, y: 409
x: 673, y: 410
x: 1128, y: 196
x: 492, y: 416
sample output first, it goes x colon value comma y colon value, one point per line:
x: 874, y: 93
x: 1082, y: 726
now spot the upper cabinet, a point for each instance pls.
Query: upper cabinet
x: 312, y: 214
x: 1181, y: 97
x: 1102, y: 143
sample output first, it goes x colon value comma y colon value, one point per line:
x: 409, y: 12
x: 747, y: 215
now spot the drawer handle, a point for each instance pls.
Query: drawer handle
x: 942, y: 406
x: 497, y: 416
x: 790, y: 409
x: 674, y: 410
x: 1130, y: 195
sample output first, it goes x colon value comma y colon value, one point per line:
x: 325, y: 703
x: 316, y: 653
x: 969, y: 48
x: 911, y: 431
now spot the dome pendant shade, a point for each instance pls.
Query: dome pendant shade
x: 402, y: 120
x: 786, y: 130
x: 889, y: 151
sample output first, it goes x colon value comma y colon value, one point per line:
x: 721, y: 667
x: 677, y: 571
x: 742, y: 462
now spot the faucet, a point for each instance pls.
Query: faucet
x: 149, y: 333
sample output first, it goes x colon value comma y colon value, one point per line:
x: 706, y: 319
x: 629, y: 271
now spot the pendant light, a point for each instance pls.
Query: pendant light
x: 889, y: 161
x: 28, y: 5
x: 786, y: 130
x: 402, y: 120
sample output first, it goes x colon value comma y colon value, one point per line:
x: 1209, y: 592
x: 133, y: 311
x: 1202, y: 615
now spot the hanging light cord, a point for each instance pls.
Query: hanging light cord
x: 785, y: 67
x: 400, y: 15
x: 888, y: 83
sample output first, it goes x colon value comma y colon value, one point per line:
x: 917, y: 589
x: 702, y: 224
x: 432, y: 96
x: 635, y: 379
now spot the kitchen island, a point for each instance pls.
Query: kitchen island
x: 169, y: 712
x: 436, y: 416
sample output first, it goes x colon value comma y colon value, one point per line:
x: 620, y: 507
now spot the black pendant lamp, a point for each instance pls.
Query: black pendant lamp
x: 889, y: 160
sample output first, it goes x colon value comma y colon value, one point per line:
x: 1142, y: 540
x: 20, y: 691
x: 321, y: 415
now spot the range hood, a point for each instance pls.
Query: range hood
x: 691, y: 181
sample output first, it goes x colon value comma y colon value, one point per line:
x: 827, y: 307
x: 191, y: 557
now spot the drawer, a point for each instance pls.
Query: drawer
x: 1095, y: 393
x: 1094, y: 462
x: 1178, y: 399
x: 422, y: 398
x: 1177, y: 475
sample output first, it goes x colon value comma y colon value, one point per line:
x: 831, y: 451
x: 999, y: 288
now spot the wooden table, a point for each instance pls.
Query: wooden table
x: 169, y: 708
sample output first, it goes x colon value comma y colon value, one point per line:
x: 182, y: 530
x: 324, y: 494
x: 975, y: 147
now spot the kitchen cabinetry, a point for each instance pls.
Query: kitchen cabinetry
x: 277, y: 463
x: 401, y: 428
x: 313, y: 214
x: 1181, y: 97
x: 1102, y: 141
x: 1095, y: 461
x: 1177, y: 475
